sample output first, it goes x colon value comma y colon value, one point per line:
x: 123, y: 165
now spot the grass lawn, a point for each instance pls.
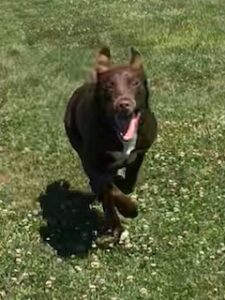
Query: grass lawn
x: 177, y: 244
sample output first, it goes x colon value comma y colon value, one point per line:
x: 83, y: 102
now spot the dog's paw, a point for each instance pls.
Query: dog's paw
x: 109, y: 237
x: 105, y: 241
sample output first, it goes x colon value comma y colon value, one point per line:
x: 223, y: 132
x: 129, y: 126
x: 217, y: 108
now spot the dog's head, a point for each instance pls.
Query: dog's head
x: 121, y: 91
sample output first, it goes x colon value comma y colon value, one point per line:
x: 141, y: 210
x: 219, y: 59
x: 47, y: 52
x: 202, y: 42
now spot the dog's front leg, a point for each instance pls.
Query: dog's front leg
x: 112, y: 222
x: 101, y: 185
x: 127, y: 181
x: 112, y: 198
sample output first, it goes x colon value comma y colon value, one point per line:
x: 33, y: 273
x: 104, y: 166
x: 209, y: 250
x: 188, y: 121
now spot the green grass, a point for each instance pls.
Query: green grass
x: 177, y: 248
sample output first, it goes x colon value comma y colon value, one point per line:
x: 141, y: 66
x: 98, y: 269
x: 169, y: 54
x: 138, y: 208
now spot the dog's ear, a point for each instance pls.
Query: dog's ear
x: 103, y: 60
x: 135, y: 59
x: 102, y: 63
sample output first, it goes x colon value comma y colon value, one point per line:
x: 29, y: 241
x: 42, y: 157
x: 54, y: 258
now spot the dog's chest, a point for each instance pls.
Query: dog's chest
x: 128, y: 147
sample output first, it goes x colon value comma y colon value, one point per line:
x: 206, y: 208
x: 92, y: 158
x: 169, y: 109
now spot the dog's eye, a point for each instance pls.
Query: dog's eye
x: 135, y: 82
x: 110, y: 85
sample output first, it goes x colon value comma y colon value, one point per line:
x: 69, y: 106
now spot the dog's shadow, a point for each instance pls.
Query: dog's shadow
x: 71, y: 224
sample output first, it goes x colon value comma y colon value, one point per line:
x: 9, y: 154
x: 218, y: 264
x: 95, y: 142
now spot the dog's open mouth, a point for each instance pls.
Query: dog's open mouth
x: 127, y: 125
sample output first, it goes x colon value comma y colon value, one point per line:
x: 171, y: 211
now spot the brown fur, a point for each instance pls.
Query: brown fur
x: 111, y: 90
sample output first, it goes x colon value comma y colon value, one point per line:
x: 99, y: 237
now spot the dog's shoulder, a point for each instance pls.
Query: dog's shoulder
x: 80, y: 98
x: 85, y: 92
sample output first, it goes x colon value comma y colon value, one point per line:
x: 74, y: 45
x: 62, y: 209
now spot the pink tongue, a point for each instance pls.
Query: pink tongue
x: 131, y: 129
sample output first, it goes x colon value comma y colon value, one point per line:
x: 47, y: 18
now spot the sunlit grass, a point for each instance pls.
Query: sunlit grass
x: 177, y: 244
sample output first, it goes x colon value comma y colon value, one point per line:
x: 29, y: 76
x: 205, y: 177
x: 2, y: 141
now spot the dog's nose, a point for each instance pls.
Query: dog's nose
x: 124, y: 105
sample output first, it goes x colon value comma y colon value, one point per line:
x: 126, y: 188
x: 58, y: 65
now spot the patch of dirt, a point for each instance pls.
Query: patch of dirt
x: 4, y: 178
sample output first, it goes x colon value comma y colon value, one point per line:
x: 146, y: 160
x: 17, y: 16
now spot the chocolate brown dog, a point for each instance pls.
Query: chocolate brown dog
x: 109, y: 123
